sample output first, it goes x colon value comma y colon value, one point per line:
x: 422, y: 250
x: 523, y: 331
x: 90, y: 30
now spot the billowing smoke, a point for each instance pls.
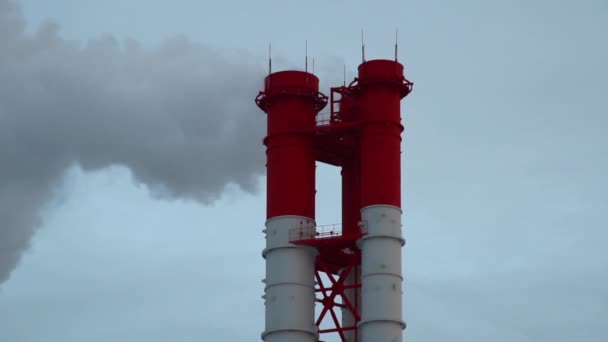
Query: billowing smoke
x: 180, y: 117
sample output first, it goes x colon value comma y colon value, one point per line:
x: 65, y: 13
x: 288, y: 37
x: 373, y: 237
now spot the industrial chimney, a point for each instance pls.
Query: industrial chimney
x: 355, y: 267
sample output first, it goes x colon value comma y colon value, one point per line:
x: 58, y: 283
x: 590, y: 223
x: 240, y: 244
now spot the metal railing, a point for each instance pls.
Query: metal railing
x: 323, y: 118
x: 318, y: 232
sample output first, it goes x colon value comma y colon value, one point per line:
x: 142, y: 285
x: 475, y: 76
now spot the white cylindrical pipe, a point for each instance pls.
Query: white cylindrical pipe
x: 381, y: 279
x: 289, y: 292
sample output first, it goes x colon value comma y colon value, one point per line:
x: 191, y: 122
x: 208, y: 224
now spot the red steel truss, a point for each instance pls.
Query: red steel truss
x: 338, y: 258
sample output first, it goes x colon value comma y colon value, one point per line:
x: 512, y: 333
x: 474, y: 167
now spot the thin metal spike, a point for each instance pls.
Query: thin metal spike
x: 306, y: 55
x: 344, y: 75
x: 396, y: 44
x: 269, y: 58
x: 269, y: 62
x: 362, y: 47
x: 313, y: 65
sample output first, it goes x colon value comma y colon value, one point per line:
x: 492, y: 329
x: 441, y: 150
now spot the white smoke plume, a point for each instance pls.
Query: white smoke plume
x: 180, y: 117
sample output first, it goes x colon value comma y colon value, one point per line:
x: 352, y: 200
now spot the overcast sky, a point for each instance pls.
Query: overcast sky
x: 505, y: 193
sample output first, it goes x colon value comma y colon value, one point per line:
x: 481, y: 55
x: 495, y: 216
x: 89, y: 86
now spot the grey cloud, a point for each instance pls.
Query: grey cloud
x: 179, y: 116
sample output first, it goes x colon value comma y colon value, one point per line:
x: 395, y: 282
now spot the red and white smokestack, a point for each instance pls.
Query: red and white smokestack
x: 291, y: 99
x: 381, y: 87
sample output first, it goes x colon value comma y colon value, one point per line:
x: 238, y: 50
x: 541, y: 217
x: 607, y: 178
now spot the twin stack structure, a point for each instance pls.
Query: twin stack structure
x: 353, y: 272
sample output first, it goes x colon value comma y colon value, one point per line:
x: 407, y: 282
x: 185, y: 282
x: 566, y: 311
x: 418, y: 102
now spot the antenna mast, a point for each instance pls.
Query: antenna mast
x: 396, y: 43
x: 362, y: 47
x: 306, y: 55
x: 269, y: 58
